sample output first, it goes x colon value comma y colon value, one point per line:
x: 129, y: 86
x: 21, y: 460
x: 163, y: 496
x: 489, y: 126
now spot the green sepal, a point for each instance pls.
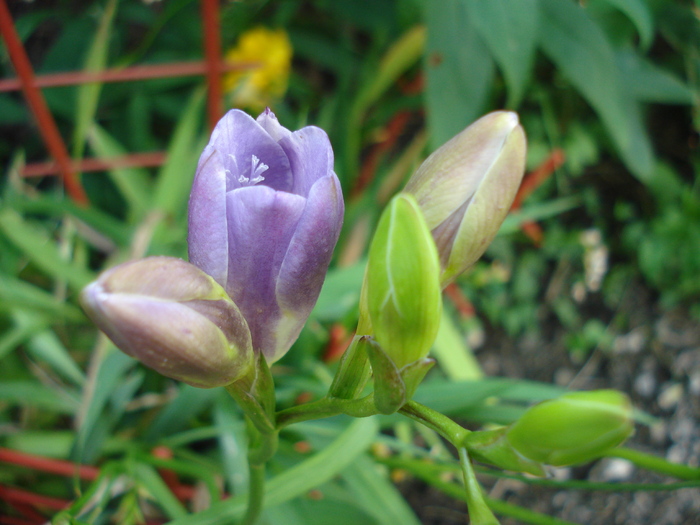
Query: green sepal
x: 413, y: 373
x: 255, y: 394
x: 493, y: 448
x: 389, y: 387
x: 353, y: 371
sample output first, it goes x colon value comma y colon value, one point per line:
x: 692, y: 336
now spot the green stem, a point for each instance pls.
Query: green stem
x: 261, y: 447
x: 656, y: 464
x: 479, y: 512
x: 326, y: 407
x: 256, y: 493
x: 436, y: 421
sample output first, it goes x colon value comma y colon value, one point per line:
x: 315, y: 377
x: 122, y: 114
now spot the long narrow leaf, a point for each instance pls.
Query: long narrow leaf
x: 459, y: 77
x: 509, y: 28
x: 89, y: 94
x: 176, y: 175
x: 581, y: 51
x: 299, y: 479
x: 42, y: 251
x: 133, y: 183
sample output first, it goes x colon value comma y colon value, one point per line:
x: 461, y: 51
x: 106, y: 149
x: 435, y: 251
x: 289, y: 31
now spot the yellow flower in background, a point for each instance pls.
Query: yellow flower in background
x: 255, y: 89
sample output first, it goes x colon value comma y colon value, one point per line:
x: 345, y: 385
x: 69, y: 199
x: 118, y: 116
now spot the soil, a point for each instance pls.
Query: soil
x: 657, y: 362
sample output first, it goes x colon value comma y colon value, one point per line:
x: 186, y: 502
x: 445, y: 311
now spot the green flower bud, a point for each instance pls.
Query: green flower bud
x: 402, y: 283
x: 574, y: 428
x: 466, y: 187
x: 174, y: 318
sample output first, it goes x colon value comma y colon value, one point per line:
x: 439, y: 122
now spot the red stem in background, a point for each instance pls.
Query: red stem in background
x: 135, y: 160
x: 212, y: 56
x: 530, y: 183
x: 47, y: 125
x: 54, y: 466
x: 125, y: 74
x: 23, y: 496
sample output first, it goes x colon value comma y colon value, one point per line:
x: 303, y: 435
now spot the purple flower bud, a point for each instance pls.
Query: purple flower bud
x: 466, y: 187
x: 174, y: 318
x: 264, y: 216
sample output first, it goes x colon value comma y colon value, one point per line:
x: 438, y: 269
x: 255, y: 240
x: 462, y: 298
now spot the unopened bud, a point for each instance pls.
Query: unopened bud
x: 402, y: 283
x: 466, y: 187
x: 574, y: 428
x: 174, y: 318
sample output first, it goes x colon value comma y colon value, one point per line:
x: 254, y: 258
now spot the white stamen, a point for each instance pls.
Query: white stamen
x: 257, y: 169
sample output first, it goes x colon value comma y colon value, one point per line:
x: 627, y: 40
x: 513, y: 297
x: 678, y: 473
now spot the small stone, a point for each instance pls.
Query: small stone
x: 645, y: 384
x: 632, y: 342
x: 617, y: 470
x: 658, y: 433
x: 670, y: 395
x: 694, y: 383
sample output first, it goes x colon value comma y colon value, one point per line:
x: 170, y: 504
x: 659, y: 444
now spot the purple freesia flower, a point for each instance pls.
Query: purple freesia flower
x: 265, y: 213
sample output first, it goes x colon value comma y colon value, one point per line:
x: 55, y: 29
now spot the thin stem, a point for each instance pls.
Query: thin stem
x: 436, y: 421
x: 256, y: 493
x: 656, y: 464
x: 479, y: 513
x: 326, y: 407
x: 239, y: 391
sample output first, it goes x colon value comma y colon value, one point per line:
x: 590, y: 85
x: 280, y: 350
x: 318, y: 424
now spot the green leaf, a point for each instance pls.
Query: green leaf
x: 301, y: 478
x: 377, y: 495
x: 45, y: 345
x: 88, y: 94
x: 453, y: 354
x: 133, y: 183
x: 403, y: 54
x: 232, y: 443
x: 156, y: 487
x: 189, y: 402
x: 115, y: 230
x: 459, y: 69
x: 50, y: 444
x: 649, y: 83
x: 175, y: 177
x: 461, y: 397
x: 42, y: 251
x: 34, y: 394
x: 15, y: 293
x: 111, y: 371
x: 583, y: 54
x: 340, y: 292
x: 639, y: 13
x: 509, y: 29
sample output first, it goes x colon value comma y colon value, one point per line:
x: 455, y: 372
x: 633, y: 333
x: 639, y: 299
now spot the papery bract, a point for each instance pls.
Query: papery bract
x: 174, y: 318
x: 466, y: 187
x: 265, y: 213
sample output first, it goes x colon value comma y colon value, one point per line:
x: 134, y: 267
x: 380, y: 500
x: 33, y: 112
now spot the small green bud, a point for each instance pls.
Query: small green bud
x: 466, y: 187
x: 402, y: 283
x: 174, y: 318
x: 574, y: 428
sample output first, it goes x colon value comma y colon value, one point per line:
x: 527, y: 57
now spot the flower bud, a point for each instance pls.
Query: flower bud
x: 402, y: 283
x: 466, y: 187
x: 574, y: 428
x: 172, y: 317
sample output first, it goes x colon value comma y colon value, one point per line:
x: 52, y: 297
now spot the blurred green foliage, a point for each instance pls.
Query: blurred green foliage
x: 615, y: 84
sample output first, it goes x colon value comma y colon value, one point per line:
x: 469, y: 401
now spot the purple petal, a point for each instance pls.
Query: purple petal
x: 310, y: 156
x: 207, y: 237
x: 306, y: 262
x: 249, y: 154
x: 170, y: 338
x: 261, y: 225
x: 269, y: 123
